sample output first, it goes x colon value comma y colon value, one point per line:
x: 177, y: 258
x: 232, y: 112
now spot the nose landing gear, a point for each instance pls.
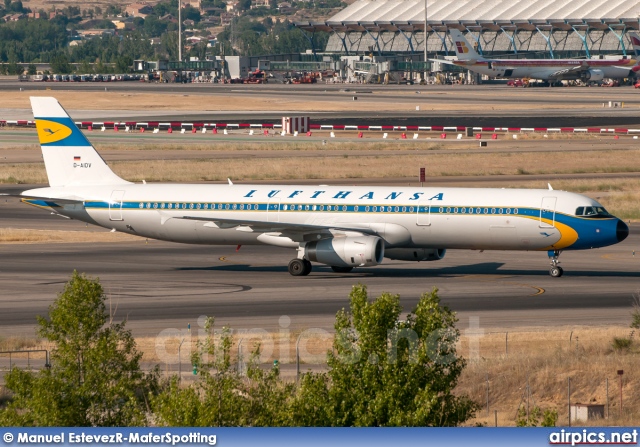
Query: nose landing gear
x: 555, y: 271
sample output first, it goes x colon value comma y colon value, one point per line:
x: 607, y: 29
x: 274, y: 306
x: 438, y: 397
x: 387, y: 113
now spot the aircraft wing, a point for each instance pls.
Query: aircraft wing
x: 288, y: 229
x: 443, y: 61
x: 569, y: 73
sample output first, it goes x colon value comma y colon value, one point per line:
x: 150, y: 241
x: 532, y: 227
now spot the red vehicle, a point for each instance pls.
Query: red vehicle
x: 515, y: 83
x: 305, y: 78
x: 256, y: 77
x: 636, y: 85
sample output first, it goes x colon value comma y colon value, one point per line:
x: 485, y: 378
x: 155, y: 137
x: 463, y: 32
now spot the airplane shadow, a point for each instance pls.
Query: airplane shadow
x: 485, y: 268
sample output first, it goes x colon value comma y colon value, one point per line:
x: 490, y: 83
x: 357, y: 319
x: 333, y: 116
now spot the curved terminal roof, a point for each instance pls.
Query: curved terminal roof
x: 408, y: 15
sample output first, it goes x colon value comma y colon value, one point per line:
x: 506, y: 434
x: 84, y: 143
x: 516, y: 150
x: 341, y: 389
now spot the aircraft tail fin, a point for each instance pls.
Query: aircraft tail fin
x: 69, y: 158
x: 635, y: 42
x: 464, y: 51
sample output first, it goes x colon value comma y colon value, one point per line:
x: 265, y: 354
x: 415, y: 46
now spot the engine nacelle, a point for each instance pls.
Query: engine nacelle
x: 592, y: 75
x: 415, y: 254
x: 346, y: 251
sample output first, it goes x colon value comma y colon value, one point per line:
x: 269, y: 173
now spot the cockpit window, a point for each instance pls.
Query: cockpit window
x: 594, y: 212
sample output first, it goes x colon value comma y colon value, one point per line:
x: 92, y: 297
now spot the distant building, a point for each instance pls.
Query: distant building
x: 232, y: 6
x: 259, y: 4
x: 34, y: 15
x: 13, y: 17
x: 91, y: 33
x: 226, y: 18
x: 211, y: 21
x: 211, y: 11
x: 54, y: 14
x: 193, y: 3
x: 167, y: 18
x: 188, y: 22
x: 123, y: 22
x: 139, y: 10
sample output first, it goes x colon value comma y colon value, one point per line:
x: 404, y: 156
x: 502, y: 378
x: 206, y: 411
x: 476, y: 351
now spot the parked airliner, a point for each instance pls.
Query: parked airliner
x: 339, y: 226
x: 553, y: 70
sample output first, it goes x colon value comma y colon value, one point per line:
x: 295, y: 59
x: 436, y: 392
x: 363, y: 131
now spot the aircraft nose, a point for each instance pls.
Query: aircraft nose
x: 622, y: 231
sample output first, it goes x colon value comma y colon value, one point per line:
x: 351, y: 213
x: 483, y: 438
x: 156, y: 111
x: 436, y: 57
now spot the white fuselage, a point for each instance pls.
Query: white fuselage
x: 465, y: 218
x: 545, y: 70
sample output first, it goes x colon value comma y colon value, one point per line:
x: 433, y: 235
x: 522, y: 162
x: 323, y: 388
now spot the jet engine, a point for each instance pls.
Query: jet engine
x: 592, y: 75
x: 415, y: 254
x: 346, y: 251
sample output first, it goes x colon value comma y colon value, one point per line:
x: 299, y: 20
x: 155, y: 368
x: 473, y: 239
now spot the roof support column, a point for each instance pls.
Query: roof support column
x: 620, y: 38
x: 409, y: 40
x: 511, y: 38
x: 442, y: 39
x: 548, y: 39
x: 375, y: 39
x: 344, y: 42
x: 584, y: 40
x: 310, y: 39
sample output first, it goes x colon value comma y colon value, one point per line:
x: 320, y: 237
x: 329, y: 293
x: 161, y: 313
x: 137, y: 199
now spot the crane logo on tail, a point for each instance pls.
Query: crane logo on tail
x: 51, y: 131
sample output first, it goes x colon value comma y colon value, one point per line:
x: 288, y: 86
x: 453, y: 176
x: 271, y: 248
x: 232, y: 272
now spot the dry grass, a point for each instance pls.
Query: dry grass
x: 545, y: 360
x: 22, y: 236
x: 17, y: 343
x: 275, y: 100
x: 531, y: 163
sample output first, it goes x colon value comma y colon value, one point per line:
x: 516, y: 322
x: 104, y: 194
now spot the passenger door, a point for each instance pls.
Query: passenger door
x: 548, y: 212
x: 115, y: 205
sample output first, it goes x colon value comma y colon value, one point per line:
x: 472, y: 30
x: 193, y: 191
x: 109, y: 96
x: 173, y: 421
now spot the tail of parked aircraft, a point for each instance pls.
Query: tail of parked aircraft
x: 464, y: 51
x: 635, y: 42
x: 68, y: 156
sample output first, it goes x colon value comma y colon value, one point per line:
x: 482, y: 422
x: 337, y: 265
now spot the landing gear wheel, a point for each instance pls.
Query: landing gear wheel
x: 307, y: 267
x: 556, y: 272
x: 299, y: 267
x: 338, y: 269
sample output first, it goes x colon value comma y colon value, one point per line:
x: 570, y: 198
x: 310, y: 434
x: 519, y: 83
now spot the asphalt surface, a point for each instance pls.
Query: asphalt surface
x: 572, y: 107
x: 159, y: 286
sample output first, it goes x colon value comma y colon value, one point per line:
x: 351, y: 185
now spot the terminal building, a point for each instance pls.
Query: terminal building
x: 499, y: 28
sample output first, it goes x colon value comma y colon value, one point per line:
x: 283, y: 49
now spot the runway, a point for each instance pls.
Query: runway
x: 158, y: 285
x: 444, y: 105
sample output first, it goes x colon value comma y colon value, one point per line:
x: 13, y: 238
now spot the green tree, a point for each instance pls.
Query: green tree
x: 549, y: 417
x: 221, y: 397
x: 32, y: 69
x: 388, y: 371
x: 60, y: 64
x: 14, y: 68
x: 95, y: 377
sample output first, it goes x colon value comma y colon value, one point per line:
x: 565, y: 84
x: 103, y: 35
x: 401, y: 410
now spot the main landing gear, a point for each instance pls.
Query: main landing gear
x: 555, y: 270
x: 302, y: 267
x: 299, y: 267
